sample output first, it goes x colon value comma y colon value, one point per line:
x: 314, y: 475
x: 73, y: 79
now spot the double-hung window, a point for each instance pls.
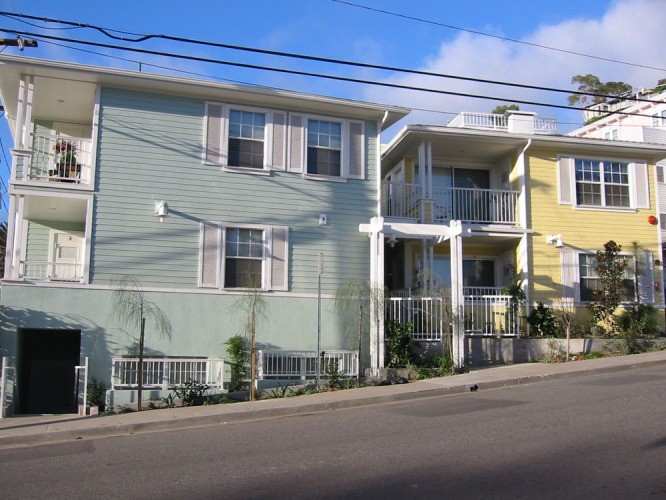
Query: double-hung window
x: 246, y: 138
x: 603, y: 183
x: 324, y: 152
x: 589, y: 281
x: 238, y: 256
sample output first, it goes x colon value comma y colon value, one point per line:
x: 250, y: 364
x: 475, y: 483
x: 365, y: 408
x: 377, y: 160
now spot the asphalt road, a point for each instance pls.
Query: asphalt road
x: 601, y: 436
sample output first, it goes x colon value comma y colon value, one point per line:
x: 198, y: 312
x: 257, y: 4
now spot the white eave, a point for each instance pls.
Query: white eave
x: 12, y: 68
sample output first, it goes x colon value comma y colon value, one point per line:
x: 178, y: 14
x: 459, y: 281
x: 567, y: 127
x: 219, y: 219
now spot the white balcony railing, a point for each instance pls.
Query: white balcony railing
x: 492, y: 121
x: 50, y: 271
x: 166, y: 373
x: 486, y: 315
x: 60, y: 159
x: 282, y: 364
x: 401, y: 200
x: 491, y: 206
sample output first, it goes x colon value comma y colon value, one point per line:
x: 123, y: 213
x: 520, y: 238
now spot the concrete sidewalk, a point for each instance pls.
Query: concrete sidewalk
x: 33, y: 430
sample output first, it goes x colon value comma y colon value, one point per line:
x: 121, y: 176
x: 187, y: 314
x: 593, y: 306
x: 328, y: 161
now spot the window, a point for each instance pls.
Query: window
x: 246, y: 139
x: 589, y: 281
x: 611, y: 135
x: 659, y: 119
x: 602, y: 183
x: 324, y: 152
x: 243, y: 256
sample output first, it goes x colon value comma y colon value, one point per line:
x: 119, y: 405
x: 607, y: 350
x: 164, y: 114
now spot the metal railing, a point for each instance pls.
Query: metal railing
x: 50, y: 271
x: 485, y: 315
x: 493, y: 206
x: 166, y: 373
x: 7, y: 386
x: 401, y: 200
x: 60, y: 159
x: 283, y: 364
x: 469, y: 291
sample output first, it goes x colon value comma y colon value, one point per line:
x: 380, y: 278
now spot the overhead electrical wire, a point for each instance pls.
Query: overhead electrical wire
x: 138, y: 38
x: 499, y: 37
x: 304, y: 73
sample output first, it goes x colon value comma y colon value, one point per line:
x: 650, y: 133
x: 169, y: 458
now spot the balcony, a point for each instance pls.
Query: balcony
x: 486, y: 206
x: 493, y: 121
x: 58, y: 159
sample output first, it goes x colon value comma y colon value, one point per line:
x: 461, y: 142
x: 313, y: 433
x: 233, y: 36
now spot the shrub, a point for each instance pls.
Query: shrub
x: 192, y: 393
x: 543, y: 322
x: 398, y: 343
x: 239, y: 354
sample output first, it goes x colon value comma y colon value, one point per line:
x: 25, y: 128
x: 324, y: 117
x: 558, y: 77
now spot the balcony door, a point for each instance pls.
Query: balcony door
x: 66, y: 256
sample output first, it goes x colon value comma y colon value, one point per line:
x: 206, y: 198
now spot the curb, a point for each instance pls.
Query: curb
x: 56, y: 436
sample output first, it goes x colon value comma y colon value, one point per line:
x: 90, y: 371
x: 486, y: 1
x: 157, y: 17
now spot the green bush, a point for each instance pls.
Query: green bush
x: 398, y: 343
x: 239, y: 355
x: 192, y: 393
x: 543, y: 322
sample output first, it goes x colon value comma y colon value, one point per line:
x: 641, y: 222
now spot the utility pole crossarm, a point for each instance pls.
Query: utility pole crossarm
x: 19, y: 42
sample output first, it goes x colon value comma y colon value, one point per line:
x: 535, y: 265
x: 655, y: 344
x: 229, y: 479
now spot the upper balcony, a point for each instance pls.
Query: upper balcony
x: 484, y: 206
x: 510, y: 122
x: 56, y: 158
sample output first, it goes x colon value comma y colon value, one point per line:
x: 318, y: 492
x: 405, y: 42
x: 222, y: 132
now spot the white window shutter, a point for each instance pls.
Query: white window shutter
x: 297, y: 143
x: 210, y: 259
x: 214, y: 147
x: 279, y: 143
x: 565, y: 185
x: 279, y: 267
x: 570, y: 279
x: 646, y: 277
x: 356, y: 151
x: 641, y: 183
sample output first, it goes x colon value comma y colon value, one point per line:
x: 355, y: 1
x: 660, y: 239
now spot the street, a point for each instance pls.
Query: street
x: 590, y: 436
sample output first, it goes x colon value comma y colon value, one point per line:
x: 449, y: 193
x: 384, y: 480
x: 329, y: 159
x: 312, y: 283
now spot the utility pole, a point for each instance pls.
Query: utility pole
x: 19, y: 42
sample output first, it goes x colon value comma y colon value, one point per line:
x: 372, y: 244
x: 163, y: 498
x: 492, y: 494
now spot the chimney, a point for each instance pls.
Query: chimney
x: 520, y: 122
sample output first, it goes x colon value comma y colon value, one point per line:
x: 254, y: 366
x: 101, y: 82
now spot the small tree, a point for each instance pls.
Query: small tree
x: 132, y: 309
x: 503, y: 108
x: 239, y: 353
x: 590, y: 84
x: 610, y: 272
x: 254, y: 305
x: 351, y: 298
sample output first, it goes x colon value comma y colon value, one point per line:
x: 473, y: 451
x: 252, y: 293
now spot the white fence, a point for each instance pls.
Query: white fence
x: 7, y: 383
x: 495, y: 206
x: 165, y: 373
x: 484, y: 315
x: 401, y: 200
x: 283, y: 364
x: 60, y: 159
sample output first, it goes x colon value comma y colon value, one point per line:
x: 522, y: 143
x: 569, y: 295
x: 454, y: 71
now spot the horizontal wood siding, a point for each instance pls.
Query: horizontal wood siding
x: 580, y: 229
x: 150, y: 149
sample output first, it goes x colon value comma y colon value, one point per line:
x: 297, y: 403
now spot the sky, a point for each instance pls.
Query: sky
x: 518, y: 41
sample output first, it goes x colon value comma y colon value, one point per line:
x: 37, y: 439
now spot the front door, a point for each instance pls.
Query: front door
x: 67, y: 256
x: 46, y: 370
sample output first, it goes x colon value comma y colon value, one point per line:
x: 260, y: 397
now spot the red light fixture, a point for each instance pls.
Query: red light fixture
x: 652, y: 220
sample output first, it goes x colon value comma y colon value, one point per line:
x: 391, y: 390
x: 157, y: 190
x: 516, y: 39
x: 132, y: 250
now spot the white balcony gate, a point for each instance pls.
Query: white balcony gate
x: 283, y: 364
x: 167, y: 373
x: 60, y: 159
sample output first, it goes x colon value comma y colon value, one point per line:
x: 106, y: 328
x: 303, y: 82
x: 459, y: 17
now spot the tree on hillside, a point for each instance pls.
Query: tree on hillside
x: 503, y: 108
x: 590, y: 84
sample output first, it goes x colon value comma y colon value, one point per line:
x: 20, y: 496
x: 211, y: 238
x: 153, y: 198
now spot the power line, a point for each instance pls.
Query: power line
x: 314, y: 75
x: 144, y: 37
x: 506, y: 39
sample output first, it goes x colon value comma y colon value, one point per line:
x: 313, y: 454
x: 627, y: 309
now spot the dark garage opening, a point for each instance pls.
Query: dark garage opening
x: 45, y: 370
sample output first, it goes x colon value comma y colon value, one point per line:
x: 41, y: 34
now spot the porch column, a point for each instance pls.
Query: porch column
x: 457, y: 298
x: 377, y: 343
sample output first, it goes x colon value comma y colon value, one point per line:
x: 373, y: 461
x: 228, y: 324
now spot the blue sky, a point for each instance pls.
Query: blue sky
x: 632, y: 31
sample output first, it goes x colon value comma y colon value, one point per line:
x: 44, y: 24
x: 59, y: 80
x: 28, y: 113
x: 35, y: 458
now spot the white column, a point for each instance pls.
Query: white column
x: 457, y: 299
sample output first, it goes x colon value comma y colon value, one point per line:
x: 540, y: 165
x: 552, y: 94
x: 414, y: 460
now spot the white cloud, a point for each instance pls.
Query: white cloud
x: 631, y: 30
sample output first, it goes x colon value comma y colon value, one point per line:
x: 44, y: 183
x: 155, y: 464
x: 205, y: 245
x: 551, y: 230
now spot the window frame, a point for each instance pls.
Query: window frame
x: 273, y: 277
x: 603, y: 184
x: 243, y: 109
x: 637, y: 176
x: 319, y: 147
x: 216, y: 137
x: 629, y: 270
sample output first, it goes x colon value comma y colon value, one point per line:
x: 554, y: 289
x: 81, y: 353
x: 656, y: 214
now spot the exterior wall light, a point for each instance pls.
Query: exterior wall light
x: 555, y: 239
x: 161, y: 209
x: 652, y: 220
